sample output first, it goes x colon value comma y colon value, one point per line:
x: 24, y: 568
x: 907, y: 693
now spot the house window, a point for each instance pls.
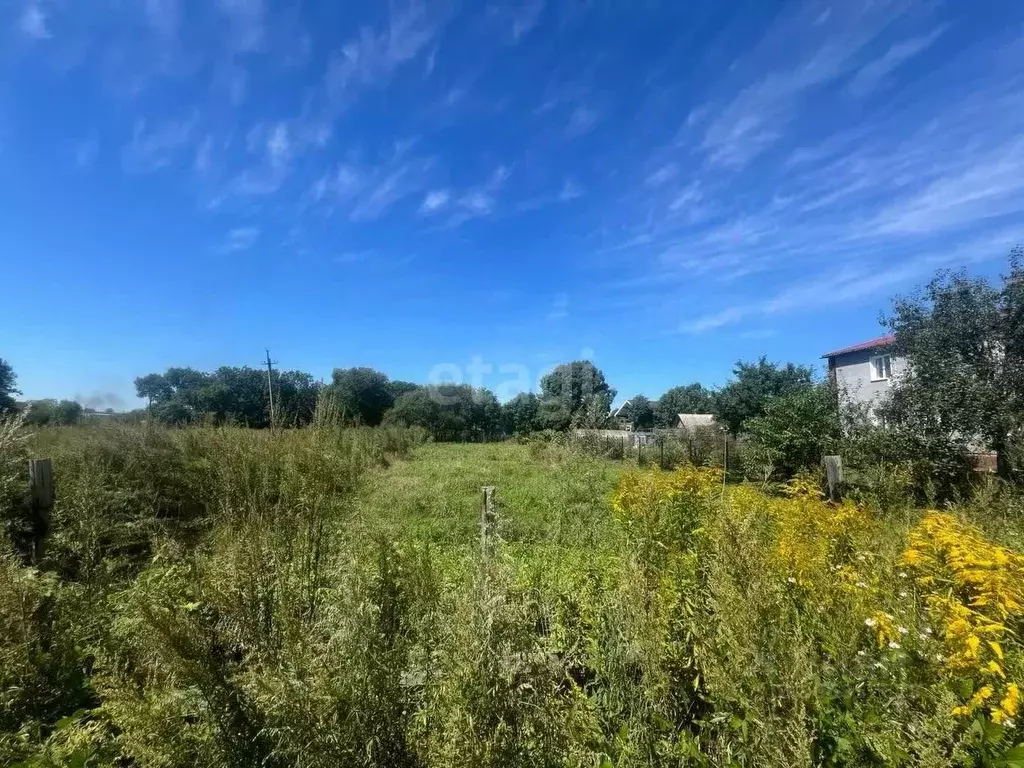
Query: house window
x: 881, y: 368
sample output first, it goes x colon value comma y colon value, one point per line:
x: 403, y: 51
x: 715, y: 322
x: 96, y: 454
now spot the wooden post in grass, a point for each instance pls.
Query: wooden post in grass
x: 40, y: 485
x: 834, y: 470
x: 488, y: 521
x: 662, y: 463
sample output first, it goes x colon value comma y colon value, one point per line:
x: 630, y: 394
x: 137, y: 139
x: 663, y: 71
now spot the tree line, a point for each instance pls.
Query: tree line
x: 963, y: 391
x: 574, y: 395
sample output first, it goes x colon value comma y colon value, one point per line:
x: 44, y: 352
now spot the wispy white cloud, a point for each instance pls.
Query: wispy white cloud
x: 582, y: 120
x: 246, y: 24
x: 878, y: 199
x: 278, y: 146
x: 872, y: 75
x: 371, y: 58
x: 156, y: 146
x: 559, y: 309
x: 435, y: 201
x: 852, y: 283
x: 272, y: 150
x: 239, y: 239
x: 526, y: 17
x: 662, y: 174
x: 353, y: 257
x: 570, y: 191
x: 986, y: 186
x: 85, y: 153
x: 33, y: 21
x: 715, y: 320
x: 687, y: 196
x: 759, y: 114
x: 367, y: 191
x: 259, y: 180
x: 479, y: 201
x: 204, y: 156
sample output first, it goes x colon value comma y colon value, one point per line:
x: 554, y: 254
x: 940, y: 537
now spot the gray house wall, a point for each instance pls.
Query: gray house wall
x: 852, y: 373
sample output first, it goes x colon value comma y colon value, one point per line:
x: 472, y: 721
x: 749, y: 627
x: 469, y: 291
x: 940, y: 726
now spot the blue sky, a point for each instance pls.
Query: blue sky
x: 662, y: 187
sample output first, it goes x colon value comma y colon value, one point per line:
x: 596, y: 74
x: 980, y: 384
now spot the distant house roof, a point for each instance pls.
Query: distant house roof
x: 694, y: 420
x: 881, y: 341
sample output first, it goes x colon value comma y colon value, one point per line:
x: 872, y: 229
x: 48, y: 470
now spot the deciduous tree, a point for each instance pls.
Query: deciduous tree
x: 363, y: 394
x: 450, y: 412
x: 746, y: 396
x: 796, y: 429
x: 520, y: 415
x: 8, y: 388
x: 153, y: 387
x: 574, y: 393
x: 399, y: 388
x: 963, y: 339
x: 640, y: 412
x: 229, y: 394
x: 692, y: 398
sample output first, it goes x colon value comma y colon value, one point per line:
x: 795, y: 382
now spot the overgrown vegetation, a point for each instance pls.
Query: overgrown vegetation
x: 211, y: 595
x: 318, y: 597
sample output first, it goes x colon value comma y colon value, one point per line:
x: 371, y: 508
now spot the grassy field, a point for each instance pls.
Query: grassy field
x: 546, y: 497
x: 213, y: 597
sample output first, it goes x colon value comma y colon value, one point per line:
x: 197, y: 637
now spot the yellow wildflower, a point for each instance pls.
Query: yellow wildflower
x: 972, y: 588
x: 1011, y: 702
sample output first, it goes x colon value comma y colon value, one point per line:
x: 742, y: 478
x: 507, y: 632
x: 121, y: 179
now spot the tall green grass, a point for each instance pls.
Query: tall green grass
x: 225, y: 597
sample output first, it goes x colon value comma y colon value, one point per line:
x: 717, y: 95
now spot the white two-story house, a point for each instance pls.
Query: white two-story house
x: 864, y: 372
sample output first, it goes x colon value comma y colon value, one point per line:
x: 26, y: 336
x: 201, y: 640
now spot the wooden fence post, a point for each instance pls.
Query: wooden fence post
x: 40, y: 484
x: 834, y: 470
x: 488, y: 521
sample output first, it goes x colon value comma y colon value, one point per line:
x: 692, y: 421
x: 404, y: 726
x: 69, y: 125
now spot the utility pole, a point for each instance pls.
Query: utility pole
x: 270, y: 386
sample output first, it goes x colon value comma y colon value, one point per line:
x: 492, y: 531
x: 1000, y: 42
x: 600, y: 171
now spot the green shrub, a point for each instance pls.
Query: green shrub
x: 932, y: 470
x: 43, y: 671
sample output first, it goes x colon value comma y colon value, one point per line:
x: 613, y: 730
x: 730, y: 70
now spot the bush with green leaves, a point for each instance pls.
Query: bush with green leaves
x: 449, y: 412
x: 796, y: 430
x: 893, y: 464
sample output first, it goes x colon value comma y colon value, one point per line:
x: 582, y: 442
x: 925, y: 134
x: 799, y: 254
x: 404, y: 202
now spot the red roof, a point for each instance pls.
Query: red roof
x: 881, y: 341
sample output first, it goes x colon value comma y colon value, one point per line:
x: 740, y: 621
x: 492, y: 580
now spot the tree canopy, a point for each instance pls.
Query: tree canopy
x: 54, y: 412
x: 229, y: 394
x: 362, y: 394
x: 450, y: 412
x: 691, y: 398
x: 746, y: 396
x: 639, y: 411
x: 575, y: 394
x: 399, y: 388
x: 8, y: 388
x: 521, y: 414
x: 796, y: 429
x: 963, y: 340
